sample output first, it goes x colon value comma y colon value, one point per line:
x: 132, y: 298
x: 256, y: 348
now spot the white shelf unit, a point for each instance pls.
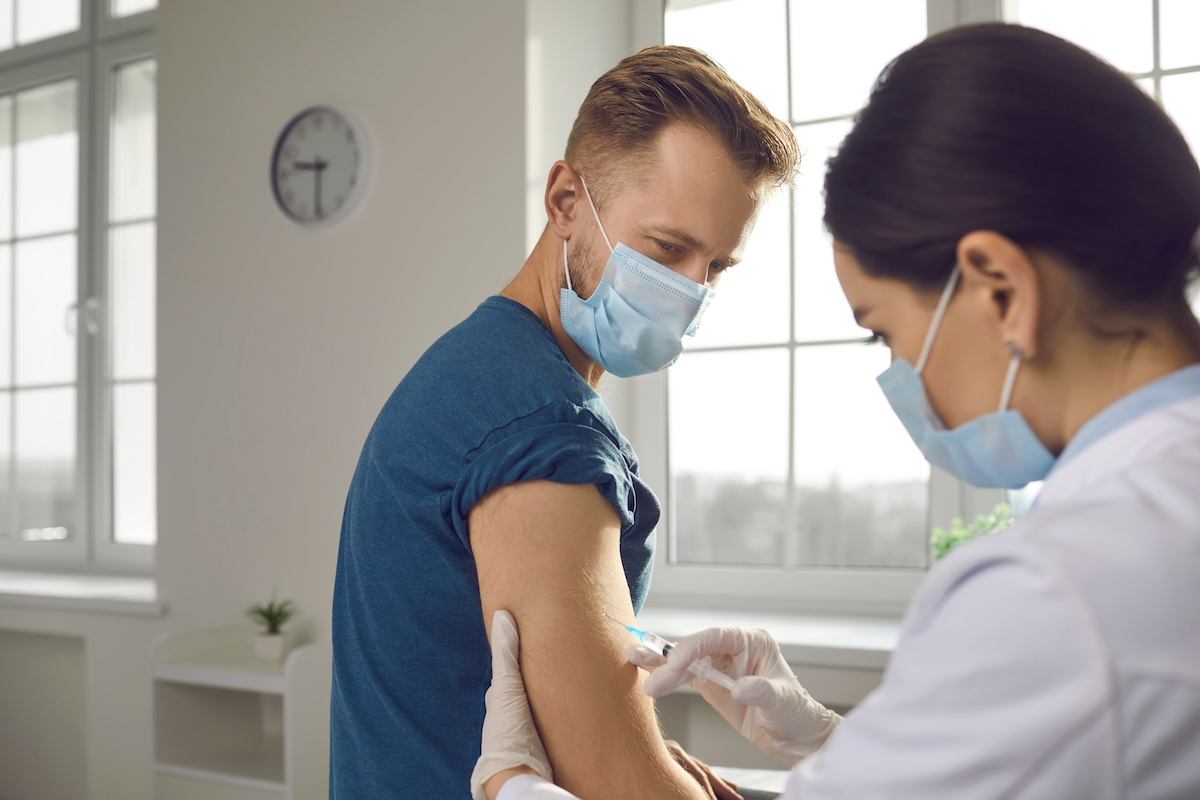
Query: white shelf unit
x: 230, y: 727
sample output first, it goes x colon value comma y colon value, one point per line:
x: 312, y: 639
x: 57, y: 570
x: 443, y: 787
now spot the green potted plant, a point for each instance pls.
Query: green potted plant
x: 942, y: 542
x: 271, y: 617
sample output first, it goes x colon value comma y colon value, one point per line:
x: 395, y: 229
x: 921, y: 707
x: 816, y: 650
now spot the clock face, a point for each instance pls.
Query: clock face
x: 318, y: 170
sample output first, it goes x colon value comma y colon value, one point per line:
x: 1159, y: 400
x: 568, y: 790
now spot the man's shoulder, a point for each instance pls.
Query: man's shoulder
x: 501, y: 343
x: 498, y: 368
x: 499, y: 324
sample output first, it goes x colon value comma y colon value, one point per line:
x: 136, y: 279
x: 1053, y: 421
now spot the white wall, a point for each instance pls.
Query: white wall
x: 277, y: 346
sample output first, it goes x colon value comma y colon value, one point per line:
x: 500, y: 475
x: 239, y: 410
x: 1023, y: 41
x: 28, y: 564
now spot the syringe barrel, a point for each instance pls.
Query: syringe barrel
x: 656, y: 643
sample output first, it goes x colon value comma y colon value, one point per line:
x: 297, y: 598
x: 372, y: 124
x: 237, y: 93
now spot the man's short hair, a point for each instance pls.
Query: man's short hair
x: 630, y: 104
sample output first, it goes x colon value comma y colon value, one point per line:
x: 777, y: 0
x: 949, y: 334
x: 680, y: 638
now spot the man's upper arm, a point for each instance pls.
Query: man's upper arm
x: 550, y: 554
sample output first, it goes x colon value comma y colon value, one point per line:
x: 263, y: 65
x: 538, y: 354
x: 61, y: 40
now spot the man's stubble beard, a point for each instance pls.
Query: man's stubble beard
x: 585, y: 274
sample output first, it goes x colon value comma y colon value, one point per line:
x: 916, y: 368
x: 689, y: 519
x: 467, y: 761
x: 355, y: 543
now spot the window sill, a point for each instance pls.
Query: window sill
x: 101, y: 594
x: 846, y: 642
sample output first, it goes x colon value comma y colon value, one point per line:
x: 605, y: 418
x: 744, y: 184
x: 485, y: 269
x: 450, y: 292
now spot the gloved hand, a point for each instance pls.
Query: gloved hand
x: 510, y: 738
x: 767, y: 704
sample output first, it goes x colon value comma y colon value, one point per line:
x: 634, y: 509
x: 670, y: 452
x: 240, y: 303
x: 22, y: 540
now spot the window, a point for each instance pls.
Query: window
x: 843, y: 485
x: 77, y: 282
x: 786, y: 477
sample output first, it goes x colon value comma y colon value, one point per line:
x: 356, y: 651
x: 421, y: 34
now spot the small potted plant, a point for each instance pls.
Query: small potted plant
x: 942, y: 542
x: 268, y: 644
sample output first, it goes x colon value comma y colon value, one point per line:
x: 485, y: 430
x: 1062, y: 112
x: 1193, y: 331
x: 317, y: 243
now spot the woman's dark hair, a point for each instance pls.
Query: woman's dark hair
x: 1009, y: 129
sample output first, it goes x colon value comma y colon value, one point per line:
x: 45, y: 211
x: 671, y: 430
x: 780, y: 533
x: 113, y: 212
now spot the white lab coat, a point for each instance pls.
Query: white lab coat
x: 1059, y: 659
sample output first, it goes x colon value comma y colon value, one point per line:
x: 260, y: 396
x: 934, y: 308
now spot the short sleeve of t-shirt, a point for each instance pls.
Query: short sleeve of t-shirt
x: 560, y: 442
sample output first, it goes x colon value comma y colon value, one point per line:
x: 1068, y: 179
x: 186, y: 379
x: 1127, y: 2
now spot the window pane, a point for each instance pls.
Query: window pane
x: 1119, y: 31
x: 747, y: 37
x: 1181, y: 99
x: 822, y: 312
x: 6, y: 310
x: 1178, y: 27
x: 133, y: 298
x: 124, y: 8
x: 41, y: 19
x: 6, y: 165
x: 133, y: 147
x: 839, y: 49
x: 751, y: 306
x: 728, y: 417
x: 135, y: 512
x: 6, y: 24
x: 45, y: 463
x: 46, y: 317
x: 861, y: 483
x: 47, y: 159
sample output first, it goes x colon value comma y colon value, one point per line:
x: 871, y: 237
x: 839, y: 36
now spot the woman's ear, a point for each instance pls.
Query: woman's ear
x: 562, y: 199
x: 1006, y: 275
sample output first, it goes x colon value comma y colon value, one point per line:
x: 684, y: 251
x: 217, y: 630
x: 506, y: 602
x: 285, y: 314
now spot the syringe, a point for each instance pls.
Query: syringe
x: 701, y: 669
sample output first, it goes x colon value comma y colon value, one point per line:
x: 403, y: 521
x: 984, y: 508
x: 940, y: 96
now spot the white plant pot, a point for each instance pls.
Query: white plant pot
x: 269, y: 647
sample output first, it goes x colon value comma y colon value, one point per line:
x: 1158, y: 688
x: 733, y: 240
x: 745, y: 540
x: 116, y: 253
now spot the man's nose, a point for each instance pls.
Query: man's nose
x: 694, y: 270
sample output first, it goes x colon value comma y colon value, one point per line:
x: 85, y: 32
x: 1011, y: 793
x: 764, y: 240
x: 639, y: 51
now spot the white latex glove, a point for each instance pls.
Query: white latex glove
x: 510, y: 738
x: 767, y: 704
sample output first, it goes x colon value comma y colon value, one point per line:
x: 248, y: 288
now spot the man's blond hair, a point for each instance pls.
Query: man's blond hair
x: 630, y: 104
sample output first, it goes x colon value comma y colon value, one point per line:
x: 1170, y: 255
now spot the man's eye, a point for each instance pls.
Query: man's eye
x: 667, y: 247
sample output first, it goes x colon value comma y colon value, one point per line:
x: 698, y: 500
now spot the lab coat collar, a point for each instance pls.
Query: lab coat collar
x: 1121, y: 449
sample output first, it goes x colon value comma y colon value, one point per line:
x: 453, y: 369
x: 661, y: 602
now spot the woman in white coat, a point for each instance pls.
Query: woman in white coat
x: 1019, y: 223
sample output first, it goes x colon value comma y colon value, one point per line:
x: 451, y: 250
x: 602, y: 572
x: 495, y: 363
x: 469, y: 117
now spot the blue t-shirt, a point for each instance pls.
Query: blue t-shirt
x: 492, y: 402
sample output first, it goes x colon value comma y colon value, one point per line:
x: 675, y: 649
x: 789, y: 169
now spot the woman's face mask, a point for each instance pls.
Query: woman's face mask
x: 996, y: 449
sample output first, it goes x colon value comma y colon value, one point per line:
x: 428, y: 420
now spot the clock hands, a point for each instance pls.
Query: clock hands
x: 317, y: 166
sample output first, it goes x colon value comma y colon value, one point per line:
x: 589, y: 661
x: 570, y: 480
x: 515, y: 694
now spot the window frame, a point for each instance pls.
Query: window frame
x: 90, y: 55
x: 847, y: 590
x: 109, y: 57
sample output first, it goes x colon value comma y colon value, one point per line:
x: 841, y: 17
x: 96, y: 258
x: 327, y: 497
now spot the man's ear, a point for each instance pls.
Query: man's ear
x: 562, y: 198
x: 1005, y: 274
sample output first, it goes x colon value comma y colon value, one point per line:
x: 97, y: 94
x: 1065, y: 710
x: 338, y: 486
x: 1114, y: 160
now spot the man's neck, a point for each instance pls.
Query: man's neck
x: 537, y: 287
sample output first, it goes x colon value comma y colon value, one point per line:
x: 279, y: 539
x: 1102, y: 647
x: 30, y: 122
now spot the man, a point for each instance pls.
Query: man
x: 494, y: 476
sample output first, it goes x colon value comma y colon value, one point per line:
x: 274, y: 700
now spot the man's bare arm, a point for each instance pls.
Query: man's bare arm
x: 550, y: 554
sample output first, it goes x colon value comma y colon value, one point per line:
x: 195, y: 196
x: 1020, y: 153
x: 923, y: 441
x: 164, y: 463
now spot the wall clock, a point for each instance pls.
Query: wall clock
x: 320, y: 166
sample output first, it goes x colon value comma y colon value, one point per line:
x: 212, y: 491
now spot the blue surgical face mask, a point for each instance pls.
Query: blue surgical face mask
x: 997, y: 449
x: 636, y: 320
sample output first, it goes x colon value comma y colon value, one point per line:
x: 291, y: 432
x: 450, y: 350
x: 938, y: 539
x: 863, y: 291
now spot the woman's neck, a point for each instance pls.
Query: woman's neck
x: 1095, y: 366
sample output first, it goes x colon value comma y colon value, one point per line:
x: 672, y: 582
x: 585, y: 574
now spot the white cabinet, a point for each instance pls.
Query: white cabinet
x: 229, y: 727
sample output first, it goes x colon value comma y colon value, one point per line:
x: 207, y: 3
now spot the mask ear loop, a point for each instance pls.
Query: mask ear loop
x: 937, y: 318
x: 595, y: 213
x: 1011, y: 377
x: 566, y: 268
